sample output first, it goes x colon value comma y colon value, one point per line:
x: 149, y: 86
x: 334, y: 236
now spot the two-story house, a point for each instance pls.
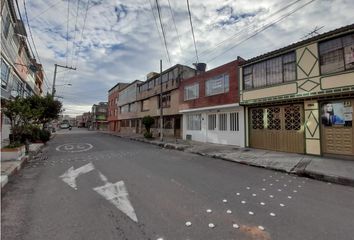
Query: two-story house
x: 210, y: 106
x: 300, y: 98
x: 99, y: 116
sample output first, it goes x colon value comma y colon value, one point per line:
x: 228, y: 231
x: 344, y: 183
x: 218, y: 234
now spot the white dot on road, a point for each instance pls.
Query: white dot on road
x: 243, y: 202
x: 211, y: 225
x: 224, y: 201
x: 251, y: 213
x: 253, y: 194
x: 235, y: 225
x: 263, y: 189
x: 229, y: 211
x: 272, y: 214
x: 271, y: 184
x: 208, y: 211
x: 248, y: 188
x: 279, y: 190
x: 261, y: 228
x: 295, y: 191
x: 271, y: 196
x: 262, y: 203
x: 289, y: 197
x: 188, y: 224
x: 238, y: 194
x: 285, y: 185
x: 282, y: 205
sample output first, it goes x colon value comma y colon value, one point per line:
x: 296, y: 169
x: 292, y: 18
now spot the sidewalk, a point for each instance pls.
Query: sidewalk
x: 10, y: 168
x: 326, y: 169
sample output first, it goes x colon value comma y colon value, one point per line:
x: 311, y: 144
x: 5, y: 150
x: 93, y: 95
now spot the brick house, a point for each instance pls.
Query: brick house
x: 113, y: 96
x: 209, y: 103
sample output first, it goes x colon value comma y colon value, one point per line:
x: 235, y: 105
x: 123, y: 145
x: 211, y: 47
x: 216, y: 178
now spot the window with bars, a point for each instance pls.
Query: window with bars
x: 234, y: 121
x: 217, y: 85
x: 194, y: 122
x: 212, y: 122
x: 191, y: 92
x: 5, y: 72
x: 270, y: 72
x: 337, y: 54
x: 222, y: 122
x: 166, y: 100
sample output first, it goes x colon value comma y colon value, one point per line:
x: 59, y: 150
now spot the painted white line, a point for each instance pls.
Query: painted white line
x: 117, y: 194
x: 70, y: 175
x: 74, y: 147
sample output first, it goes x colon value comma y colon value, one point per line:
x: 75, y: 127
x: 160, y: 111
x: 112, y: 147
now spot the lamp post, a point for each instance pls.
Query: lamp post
x: 55, y: 75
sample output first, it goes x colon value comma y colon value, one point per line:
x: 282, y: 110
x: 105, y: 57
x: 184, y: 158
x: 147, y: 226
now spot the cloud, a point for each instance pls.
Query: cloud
x: 122, y: 42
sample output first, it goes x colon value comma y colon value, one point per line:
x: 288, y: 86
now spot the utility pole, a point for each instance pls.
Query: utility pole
x: 161, y: 109
x: 55, y: 75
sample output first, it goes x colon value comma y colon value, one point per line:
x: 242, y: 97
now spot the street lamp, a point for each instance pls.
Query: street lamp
x: 66, y: 84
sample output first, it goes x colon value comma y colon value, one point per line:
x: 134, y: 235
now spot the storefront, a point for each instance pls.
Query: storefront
x: 337, y: 127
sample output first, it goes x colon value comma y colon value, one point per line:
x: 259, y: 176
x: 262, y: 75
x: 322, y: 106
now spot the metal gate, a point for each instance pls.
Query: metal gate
x: 278, y: 128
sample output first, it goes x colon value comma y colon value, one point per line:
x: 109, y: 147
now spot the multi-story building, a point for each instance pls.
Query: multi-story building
x: 113, y: 96
x: 99, y: 116
x: 141, y: 99
x: 21, y: 75
x: 210, y: 106
x: 300, y: 98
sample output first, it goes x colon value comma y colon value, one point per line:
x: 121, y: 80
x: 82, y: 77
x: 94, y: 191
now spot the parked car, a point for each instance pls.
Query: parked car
x: 64, y: 126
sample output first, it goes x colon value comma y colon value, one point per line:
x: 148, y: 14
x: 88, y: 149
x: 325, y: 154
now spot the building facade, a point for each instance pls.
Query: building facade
x: 99, y: 116
x: 300, y: 98
x: 113, y: 96
x: 210, y: 106
x: 21, y: 75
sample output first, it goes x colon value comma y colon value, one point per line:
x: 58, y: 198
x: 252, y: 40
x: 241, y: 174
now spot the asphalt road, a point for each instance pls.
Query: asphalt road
x: 165, y: 189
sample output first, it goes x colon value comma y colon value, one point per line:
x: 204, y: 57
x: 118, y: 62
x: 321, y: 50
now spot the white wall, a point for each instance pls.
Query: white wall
x: 215, y: 136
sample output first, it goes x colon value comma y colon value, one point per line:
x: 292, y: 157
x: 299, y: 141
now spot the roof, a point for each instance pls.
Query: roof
x: 129, y: 84
x: 120, y: 83
x: 338, y: 31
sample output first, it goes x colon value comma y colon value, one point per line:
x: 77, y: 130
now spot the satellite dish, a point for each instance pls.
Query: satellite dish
x: 33, y: 68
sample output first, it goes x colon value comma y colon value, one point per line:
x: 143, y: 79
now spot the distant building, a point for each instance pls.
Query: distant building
x: 301, y: 98
x: 210, y: 106
x: 99, y: 116
x: 113, y: 97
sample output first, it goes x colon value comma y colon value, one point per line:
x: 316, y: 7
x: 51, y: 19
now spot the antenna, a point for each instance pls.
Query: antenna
x: 313, y: 33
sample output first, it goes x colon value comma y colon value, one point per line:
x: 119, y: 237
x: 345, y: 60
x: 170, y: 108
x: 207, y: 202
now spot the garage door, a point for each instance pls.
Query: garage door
x: 277, y: 128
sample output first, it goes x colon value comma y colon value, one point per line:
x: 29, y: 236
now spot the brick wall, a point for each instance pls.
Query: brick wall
x: 207, y: 101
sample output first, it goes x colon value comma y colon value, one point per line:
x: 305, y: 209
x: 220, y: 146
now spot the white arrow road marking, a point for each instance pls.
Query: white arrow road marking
x: 71, y: 174
x: 117, y: 194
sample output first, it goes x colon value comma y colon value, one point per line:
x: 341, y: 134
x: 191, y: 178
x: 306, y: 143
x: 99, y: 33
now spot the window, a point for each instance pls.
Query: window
x: 212, y: 122
x: 17, y: 86
x: 234, y: 122
x: 217, y: 85
x: 222, y: 122
x: 145, y: 105
x: 166, y: 100
x: 5, y: 70
x: 124, y: 109
x: 337, y: 54
x: 194, y: 122
x: 270, y: 72
x: 6, y: 25
x: 191, y: 92
x: 132, y: 107
x: 151, y: 84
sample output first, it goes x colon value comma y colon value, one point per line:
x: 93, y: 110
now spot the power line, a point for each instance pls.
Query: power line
x: 174, y: 23
x: 156, y: 25
x: 163, y: 31
x: 73, y: 46
x: 262, y: 29
x: 190, y: 20
x: 34, y: 45
x: 67, y: 34
x: 44, y: 11
x: 209, y: 51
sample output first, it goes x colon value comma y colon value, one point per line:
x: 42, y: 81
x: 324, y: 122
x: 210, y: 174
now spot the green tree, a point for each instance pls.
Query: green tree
x: 148, y: 121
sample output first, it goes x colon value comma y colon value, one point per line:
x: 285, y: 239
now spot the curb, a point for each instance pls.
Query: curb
x: 297, y: 170
x: 5, y: 179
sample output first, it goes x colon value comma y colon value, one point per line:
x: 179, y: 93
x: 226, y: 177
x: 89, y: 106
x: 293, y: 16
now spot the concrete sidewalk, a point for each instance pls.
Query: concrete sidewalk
x: 326, y: 169
x: 10, y: 168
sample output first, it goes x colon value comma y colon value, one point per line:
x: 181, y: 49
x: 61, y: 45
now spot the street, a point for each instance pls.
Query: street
x: 89, y: 185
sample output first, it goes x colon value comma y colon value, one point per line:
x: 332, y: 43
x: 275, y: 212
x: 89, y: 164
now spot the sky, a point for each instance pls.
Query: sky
x: 121, y: 41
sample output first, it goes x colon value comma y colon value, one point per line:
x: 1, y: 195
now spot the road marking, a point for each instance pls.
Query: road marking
x: 71, y: 174
x: 117, y: 194
x: 74, y: 147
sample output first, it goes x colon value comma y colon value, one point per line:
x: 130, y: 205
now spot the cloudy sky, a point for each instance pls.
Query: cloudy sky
x: 120, y: 41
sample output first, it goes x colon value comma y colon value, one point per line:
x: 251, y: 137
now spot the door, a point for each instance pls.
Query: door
x: 278, y: 128
x: 337, y: 128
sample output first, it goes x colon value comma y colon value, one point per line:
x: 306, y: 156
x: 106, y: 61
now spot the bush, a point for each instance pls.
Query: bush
x: 44, y: 136
x: 14, y: 145
x: 148, y: 135
x: 148, y: 121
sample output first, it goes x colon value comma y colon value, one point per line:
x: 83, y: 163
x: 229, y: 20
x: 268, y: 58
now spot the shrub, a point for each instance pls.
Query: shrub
x: 44, y: 136
x: 14, y: 145
x: 148, y: 121
x: 148, y: 135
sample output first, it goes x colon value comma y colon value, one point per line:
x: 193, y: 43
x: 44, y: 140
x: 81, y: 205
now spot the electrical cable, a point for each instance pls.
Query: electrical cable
x: 163, y: 31
x: 174, y: 23
x: 190, y: 20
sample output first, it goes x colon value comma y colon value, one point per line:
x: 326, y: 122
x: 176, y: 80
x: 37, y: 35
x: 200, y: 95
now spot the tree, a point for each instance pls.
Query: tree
x: 148, y: 121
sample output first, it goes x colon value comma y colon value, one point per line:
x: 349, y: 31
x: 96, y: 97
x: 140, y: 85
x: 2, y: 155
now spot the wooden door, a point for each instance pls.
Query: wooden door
x: 278, y: 128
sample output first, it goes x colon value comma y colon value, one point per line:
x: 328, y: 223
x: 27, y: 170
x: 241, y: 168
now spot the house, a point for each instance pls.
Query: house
x: 113, y: 96
x: 210, y: 106
x: 99, y: 116
x: 21, y: 75
x: 300, y: 98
